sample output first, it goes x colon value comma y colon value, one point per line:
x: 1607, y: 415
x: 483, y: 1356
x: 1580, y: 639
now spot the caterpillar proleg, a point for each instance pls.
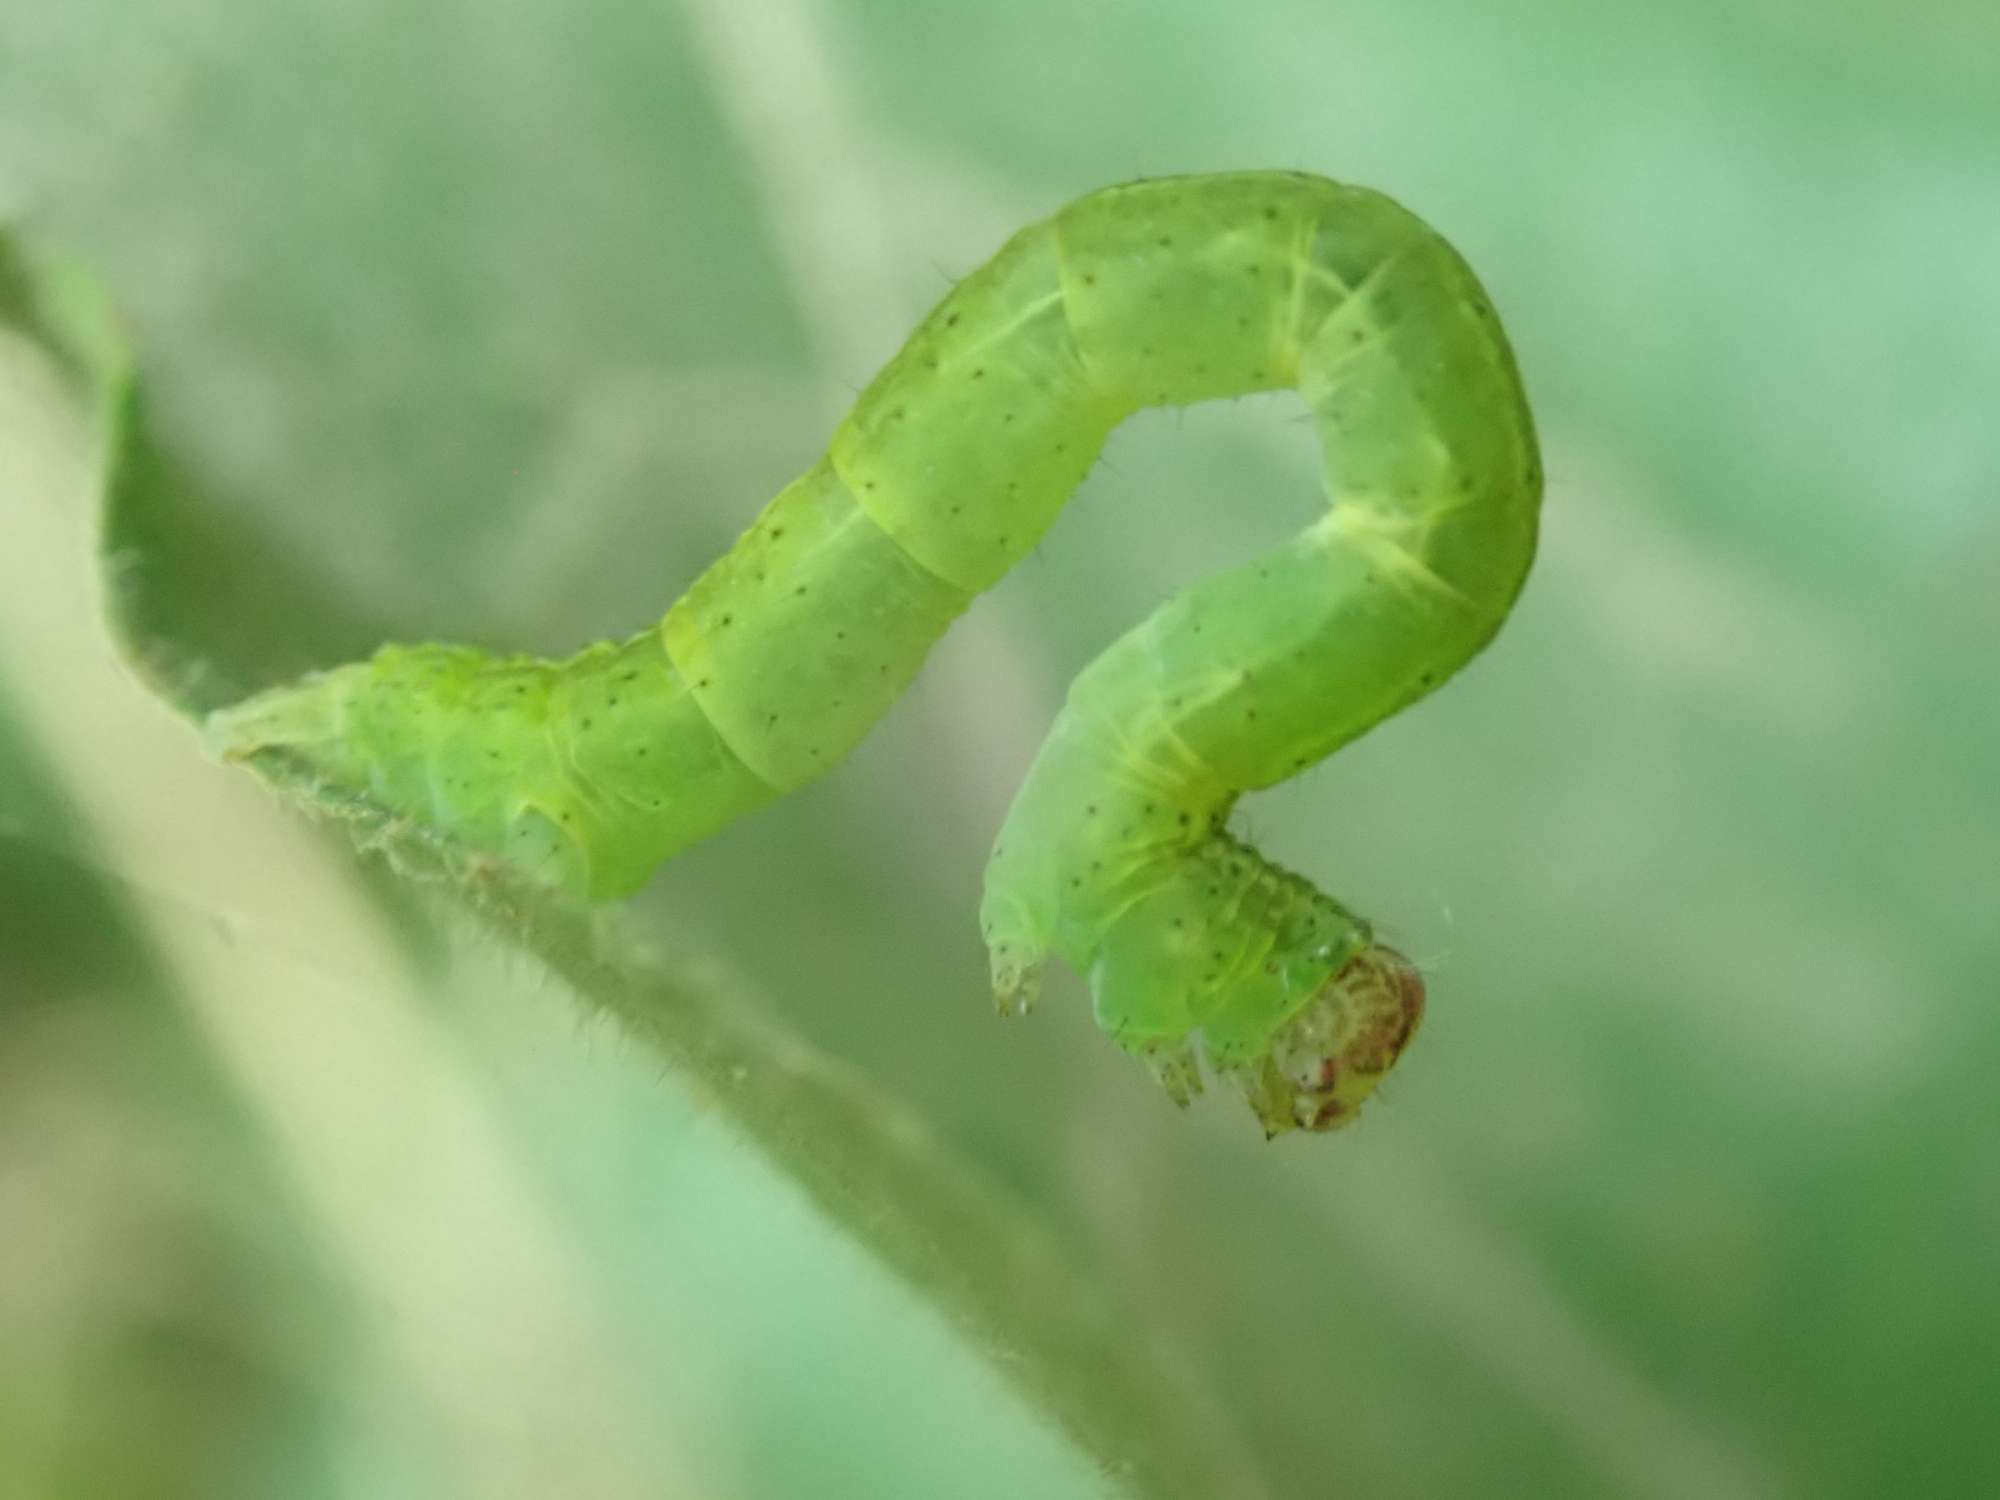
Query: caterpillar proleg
x: 1116, y: 855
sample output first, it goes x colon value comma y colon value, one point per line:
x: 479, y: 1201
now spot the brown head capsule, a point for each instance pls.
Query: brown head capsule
x: 1329, y: 1057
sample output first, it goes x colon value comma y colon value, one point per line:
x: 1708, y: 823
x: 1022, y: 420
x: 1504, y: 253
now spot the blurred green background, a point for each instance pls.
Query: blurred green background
x: 503, y: 318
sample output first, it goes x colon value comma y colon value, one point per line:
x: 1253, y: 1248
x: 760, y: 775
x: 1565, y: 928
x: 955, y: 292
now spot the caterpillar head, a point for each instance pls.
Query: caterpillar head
x: 1329, y: 1057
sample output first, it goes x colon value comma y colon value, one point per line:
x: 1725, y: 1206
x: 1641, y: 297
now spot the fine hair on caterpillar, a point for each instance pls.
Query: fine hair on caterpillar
x: 583, y: 775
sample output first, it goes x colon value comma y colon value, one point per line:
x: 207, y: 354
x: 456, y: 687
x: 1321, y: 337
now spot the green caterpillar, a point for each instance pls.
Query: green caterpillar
x: 587, y: 773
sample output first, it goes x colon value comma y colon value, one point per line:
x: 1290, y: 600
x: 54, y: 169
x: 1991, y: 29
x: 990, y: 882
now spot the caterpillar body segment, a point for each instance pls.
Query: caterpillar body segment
x: 587, y: 772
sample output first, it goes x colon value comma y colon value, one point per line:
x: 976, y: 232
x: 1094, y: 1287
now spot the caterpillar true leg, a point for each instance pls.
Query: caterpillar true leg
x: 952, y: 464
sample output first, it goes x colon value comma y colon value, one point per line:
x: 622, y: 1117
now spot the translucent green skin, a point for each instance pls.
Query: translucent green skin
x: 950, y: 467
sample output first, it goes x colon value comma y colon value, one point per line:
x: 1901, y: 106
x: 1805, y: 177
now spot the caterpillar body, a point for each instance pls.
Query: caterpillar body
x: 1115, y: 856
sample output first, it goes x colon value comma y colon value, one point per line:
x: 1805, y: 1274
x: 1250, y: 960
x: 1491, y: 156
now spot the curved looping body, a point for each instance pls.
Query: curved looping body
x: 952, y: 464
